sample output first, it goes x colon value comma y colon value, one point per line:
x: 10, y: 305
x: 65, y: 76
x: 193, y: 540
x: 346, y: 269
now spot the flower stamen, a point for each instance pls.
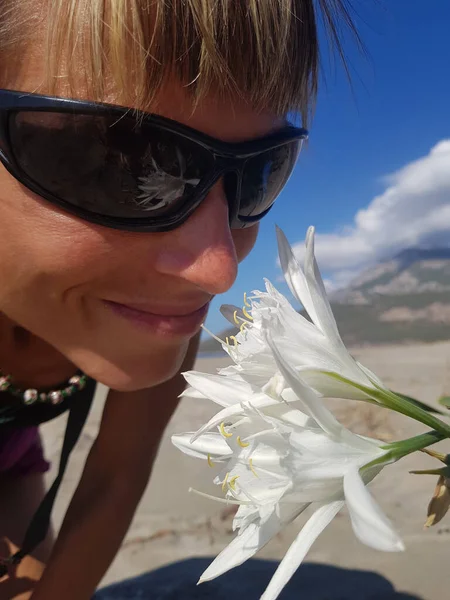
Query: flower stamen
x: 223, y: 500
x: 232, y: 482
x: 246, y: 302
x: 210, y: 462
x: 223, y: 432
x: 252, y: 468
x: 224, y: 482
x: 241, y: 443
x: 214, y: 336
x: 247, y: 314
x: 235, y: 319
x: 252, y: 499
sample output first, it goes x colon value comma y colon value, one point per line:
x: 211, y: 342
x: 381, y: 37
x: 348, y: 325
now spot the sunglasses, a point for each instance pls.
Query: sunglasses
x: 137, y: 171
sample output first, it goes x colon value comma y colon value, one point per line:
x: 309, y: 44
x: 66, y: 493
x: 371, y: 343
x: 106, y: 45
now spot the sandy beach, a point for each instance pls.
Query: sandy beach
x: 172, y: 524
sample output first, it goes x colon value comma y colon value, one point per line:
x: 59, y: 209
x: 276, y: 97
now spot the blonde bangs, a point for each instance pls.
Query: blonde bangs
x: 265, y: 51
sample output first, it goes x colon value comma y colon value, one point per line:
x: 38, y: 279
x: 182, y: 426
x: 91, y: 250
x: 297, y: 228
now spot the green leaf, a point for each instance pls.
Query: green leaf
x: 399, y: 403
x: 402, y: 448
x: 444, y: 401
x: 424, y: 406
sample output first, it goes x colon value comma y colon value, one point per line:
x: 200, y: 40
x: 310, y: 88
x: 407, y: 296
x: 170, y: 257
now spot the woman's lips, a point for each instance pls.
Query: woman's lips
x: 169, y: 324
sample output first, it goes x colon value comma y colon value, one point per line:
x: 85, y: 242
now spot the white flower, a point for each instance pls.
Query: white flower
x: 275, y: 460
x: 249, y: 349
x: 313, y: 347
x: 160, y: 188
x: 318, y: 350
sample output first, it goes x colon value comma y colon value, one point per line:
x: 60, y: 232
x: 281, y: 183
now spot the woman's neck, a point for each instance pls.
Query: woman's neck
x: 29, y: 360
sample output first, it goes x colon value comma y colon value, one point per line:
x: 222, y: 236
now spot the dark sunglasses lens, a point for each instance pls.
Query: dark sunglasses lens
x: 263, y: 179
x: 108, y: 165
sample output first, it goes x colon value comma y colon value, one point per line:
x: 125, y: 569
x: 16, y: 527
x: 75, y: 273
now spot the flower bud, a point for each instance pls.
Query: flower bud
x: 440, y: 502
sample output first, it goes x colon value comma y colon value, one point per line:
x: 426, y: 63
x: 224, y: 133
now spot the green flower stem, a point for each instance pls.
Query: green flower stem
x: 415, y: 412
x: 399, y: 404
x: 429, y: 472
x: 398, y: 450
x: 413, y: 444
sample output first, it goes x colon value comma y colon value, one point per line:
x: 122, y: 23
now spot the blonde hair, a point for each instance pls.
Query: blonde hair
x: 266, y: 51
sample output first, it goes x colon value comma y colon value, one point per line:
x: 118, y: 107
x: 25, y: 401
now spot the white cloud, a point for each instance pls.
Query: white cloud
x: 414, y: 210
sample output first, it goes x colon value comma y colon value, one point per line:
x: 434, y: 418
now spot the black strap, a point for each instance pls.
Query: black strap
x: 40, y: 523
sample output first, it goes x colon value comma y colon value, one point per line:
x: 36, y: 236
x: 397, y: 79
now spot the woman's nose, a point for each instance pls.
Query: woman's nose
x: 202, y: 250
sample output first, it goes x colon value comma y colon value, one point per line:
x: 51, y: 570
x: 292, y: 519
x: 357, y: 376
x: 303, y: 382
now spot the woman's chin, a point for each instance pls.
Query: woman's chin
x: 133, y: 373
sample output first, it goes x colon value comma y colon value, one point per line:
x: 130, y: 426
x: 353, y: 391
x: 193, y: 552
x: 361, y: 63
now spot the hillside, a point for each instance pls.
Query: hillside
x: 403, y: 299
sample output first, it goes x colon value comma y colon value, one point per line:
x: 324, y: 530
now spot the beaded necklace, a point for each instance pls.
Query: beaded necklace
x: 31, y: 395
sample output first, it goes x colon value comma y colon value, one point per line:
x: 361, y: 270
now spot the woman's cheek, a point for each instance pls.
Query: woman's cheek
x: 244, y: 240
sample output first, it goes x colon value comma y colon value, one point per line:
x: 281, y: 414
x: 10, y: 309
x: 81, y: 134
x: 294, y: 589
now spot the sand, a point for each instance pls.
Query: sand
x: 172, y: 524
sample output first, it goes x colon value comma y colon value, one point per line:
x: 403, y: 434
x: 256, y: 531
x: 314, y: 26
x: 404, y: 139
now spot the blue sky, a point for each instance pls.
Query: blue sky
x: 396, y: 113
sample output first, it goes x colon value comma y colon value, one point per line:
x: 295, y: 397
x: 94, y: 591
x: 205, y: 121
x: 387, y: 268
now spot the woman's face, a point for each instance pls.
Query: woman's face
x: 59, y: 274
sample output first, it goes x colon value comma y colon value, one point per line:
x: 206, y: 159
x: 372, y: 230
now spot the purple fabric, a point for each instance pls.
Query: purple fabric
x: 21, y: 452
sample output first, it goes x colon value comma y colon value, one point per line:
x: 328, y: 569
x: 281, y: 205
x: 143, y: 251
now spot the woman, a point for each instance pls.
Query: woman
x: 117, y: 228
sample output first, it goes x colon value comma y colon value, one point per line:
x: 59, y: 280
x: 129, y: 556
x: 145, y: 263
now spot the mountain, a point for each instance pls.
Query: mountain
x: 403, y: 299
x: 412, y: 271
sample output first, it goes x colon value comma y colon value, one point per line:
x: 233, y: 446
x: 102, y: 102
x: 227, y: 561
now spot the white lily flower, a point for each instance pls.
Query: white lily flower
x: 159, y: 188
x: 248, y: 349
x: 313, y: 347
x: 277, y: 455
x: 319, y: 352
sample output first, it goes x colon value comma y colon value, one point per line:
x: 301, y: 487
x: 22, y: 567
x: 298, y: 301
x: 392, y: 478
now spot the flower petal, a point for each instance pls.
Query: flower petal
x: 324, y: 315
x: 332, y: 387
x: 313, y: 405
x: 212, y: 444
x: 224, y: 415
x: 300, y: 547
x: 191, y: 392
x: 302, y: 351
x: 224, y: 391
x: 371, y: 375
x: 370, y: 524
x: 254, y: 403
x: 248, y: 542
x: 294, y: 275
x: 310, y: 400
x: 244, y: 516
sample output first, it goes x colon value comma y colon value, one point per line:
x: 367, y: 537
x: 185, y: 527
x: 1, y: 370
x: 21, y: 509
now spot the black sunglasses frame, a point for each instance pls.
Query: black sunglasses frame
x: 228, y: 158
